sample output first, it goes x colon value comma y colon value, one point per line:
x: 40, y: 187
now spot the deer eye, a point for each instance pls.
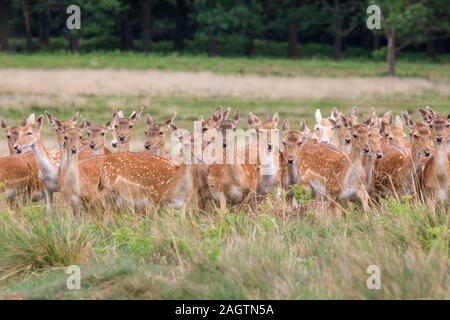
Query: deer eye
x: 115, y: 126
x: 416, y: 136
x: 65, y: 138
x: 8, y: 136
x: 88, y: 134
x: 131, y: 126
x: 338, y: 127
x: 29, y: 133
x: 204, y: 129
x: 161, y: 133
x: 299, y: 143
x: 318, y: 129
x: 234, y: 129
x: 81, y: 137
x: 355, y: 136
x: 103, y: 133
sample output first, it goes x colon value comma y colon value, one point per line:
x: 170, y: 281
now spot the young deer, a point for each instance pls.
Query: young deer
x: 392, y: 136
x: 397, y: 170
x: 436, y: 173
x: 80, y: 180
x: 156, y: 136
x: 122, y: 129
x: 12, y: 133
x: 30, y: 136
x: 140, y: 178
x: 330, y: 172
x: 96, y: 137
x: 230, y: 183
x: 323, y: 129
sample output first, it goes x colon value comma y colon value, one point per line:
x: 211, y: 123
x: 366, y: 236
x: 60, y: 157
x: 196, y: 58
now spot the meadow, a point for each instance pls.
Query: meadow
x: 276, y: 253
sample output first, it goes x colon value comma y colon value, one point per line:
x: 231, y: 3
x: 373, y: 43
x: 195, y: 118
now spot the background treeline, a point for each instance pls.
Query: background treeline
x: 229, y: 27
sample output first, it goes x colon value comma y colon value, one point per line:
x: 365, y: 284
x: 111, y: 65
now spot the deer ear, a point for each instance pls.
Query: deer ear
x: 285, y: 125
x: 171, y: 120
x: 4, y: 125
x: 302, y: 126
x: 345, y: 121
x: 235, y: 118
x: 39, y: 122
x: 408, y: 121
x: 226, y: 113
x: 149, y: 119
x: 432, y: 113
x: 398, y: 122
x: 332, y: 121
x: 387, y: 118
x: 334, y: 113
x: 253, y: 120
x: 173, y: 127
x: 426, y: 116
x: 276, y: 118
x: 318, y: 115
x: 31, y: 118
x: 369, y: 121
x: 354, y: 112
x: 23, y: 122
x: 217, y: 114
x: 50, y: 118
x: 74, y: 119
x: 200, y: 118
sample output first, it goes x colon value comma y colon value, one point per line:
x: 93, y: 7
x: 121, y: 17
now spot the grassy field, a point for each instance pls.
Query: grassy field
x: 276, y: 253
x: 355, y: 67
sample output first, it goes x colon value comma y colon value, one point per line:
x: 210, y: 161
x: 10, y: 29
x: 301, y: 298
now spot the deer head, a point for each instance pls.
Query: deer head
x: 29, y: 133
x: 440, y: 131
x: 360, y: 138
x: 292, y: 141
x: 156, y: 133
x: 61, y: 126
x: 12, y: 133
x: 72, y: 141
x: 122, y: 129
x: 265, y: 130
x: 96, y: 134
x: 420, y: 135
x: 323, y: 129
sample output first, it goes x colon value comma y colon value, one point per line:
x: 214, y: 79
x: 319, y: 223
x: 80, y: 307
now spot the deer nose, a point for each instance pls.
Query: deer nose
x: 114, y: 144
x: 122, y: 138
x: 92, y: 145
x: 347, y: 140
x: 74, y: 150
x: 17, y: 148
x: 147, y: 145
x: 366, y: 149
x: 269, y: 146
x: 439, y: 139
x: 427, y: 153
x: 323, y: 141
x: 379, y: 155
x: 224, y: 144
x: 290, y: 161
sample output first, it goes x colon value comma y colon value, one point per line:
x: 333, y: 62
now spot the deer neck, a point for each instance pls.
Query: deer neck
x: 268, y: 171
x: 368, y: 164
x: 441, y: 162
x: 291, y: 174
x: 45, y: 165
x: 416, y: 157
x: 355, y: 169
x: 71, y: 172
x: 123, y: 147
x: 183, y: 184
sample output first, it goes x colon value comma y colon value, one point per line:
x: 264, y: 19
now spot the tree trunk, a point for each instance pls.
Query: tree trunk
x: 293, y: 40
x: 4, y: 45
x: 391, y: 50
x: 180, y: 24
x: 375, y: 41
x: 249, y: 46
x: 26, y: 22
x: 127, y: 33
x: 146, y: 20
x: 337, y: 47
x: 74, y: 41
x: 43, y: 28
x: 213, y: 49
x: 431, y: 47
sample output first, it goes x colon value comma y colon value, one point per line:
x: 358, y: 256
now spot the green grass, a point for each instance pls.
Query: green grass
x: 355, y: 67
x: 275, y: 254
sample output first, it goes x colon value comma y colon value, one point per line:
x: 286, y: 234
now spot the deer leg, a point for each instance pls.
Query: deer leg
x: 48, y: 201
x: 222, y: 201
x: 363, y: 197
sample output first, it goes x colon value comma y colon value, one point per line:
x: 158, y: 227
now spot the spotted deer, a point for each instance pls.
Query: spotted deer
x: 30, y: 136
x: 96, y: 137
x: 122, y: 132
x: 436, y: 173
x: 140, y: 178
x: 230, y: 182
x: 397, y: 172
x: 392, y: 136
x: 156, y: 136
x: 331, y: 173
x: 80, y: 179
x: 12, y: 133
x: 323, y: 129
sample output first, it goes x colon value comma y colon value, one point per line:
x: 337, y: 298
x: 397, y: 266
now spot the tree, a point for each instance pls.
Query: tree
x: 146, y: 23
x: 343, y: 16
x: 404, y: 23
x: 4, y: 9
x: 181, y: 17
x: 437, y: 25
x: 26, y: 22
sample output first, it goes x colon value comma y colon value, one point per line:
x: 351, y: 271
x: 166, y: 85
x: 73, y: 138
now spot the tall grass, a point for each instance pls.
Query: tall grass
x: 275, y: 253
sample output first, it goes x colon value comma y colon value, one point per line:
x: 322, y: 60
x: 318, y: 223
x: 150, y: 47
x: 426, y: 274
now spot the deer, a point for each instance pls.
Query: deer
x: 398, y: 170
x: 323, y: 129
x: 80, y: 179
x: 140, y: 178
x: 230, y: 183
x: 156, y: 136
x: 96, y: 136
x: 122, y: 132
x: 12, y: 133
x: 392, y: 135
x: 436, y: 173
x: 30, y: 136
x: 330, y: 172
